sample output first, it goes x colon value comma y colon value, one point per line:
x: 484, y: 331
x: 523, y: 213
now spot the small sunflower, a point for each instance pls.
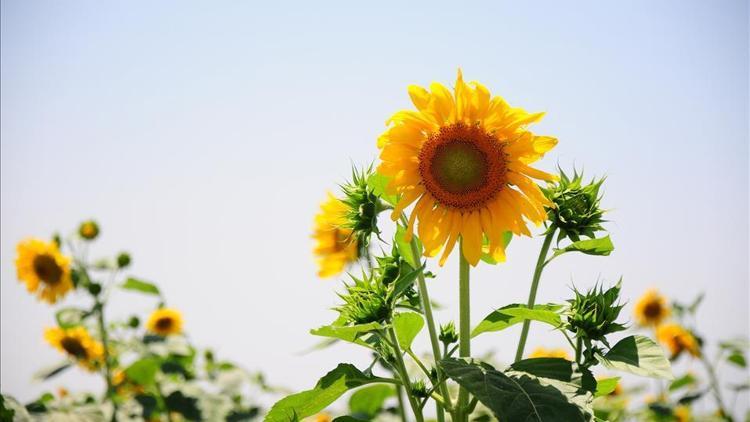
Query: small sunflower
x: 677, y: 339
x: 89, y: 230
x: 651, y: 309
x: 44, y: 269
x: 335, y: 246
x: 682, y: 413
x: 464, y: 158
x: 165, y: 321
x: 78, y: 344
x: 543, y: 352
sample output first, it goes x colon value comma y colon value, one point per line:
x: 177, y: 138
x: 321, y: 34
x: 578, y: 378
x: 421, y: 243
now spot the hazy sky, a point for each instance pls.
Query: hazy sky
x: 203, y: 135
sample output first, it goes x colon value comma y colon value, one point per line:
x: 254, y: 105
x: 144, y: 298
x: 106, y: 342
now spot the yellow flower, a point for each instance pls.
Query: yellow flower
x: 542, y: 352
x: 335, y: 247
x: 323, y: 417
x: 78, y: 344
x: 682, y: 414
x: 677, y: 339
x: 165, y: 321
x: 89, y: 230
x: 651, y: 308
x: 44, y: 269
x: 464, y: 158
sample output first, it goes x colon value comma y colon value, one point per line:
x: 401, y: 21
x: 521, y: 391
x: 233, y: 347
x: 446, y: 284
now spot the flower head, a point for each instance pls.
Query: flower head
x: 365, y: 301
x: 542, y: 352
x: 463, y: 158
x: 44, y: 269
x: 335, y: 246
x: 677, y: 340
x: 363, y: 207
x: 78, y: 344
x: 448, y: 334
x: 594, y: 314
x: 89, y: 230
x: 165, y: 321
x: 576, y: 211
x: 651, y: 309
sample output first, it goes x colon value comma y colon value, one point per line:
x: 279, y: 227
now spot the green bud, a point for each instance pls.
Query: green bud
x: 94, y: 288
x: 123, y: 260
x: 593, y: 315
x: 419, y: 389
x: 448, y: 334
x: 365, y: 301
x: 576, y: 211
x: 57, y: 240
x: 363, y: 207
x: 134, y: 322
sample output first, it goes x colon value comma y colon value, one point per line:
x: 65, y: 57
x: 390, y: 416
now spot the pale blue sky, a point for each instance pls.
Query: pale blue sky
x: 203, y: 135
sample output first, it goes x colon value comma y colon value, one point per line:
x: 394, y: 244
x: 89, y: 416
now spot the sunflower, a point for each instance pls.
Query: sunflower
x: 78, y: 344
x: 89, y: 230
x: 335, y: 247
x: 682, y: 413
x: 542, y: 352
x: 165, y: 321
x: 677, y: 339
x: 651, y: 309
x: 44, y: 269
x: 464, y: 158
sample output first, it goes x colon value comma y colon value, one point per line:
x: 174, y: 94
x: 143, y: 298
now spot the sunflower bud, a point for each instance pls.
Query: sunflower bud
x: 593, y: 315
x: 389, y: 266
x: 448, y: 334
x: 94, y: 288
x: 576, y: 211
x: 363, y: 207
x: 134, y: 322
x: 88, y: 230
x: 419, y: 389
x: 365, y: 301
x: 123, y: 260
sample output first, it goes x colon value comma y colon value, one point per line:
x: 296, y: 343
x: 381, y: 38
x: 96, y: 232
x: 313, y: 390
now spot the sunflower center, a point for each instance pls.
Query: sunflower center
x: 46, y: 269
x: 652, y: 310
x: 164, y: 324
x: 462, y: 166
x: 73, y: 346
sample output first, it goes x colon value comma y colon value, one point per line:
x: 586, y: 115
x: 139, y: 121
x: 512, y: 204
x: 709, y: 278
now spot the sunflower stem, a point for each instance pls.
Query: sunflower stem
x: 714, y: 382
x: 532, y: 293
x: 99, y: 306
x: 401, y: 404
x: 405, y: 380
x: 434, y: 341
x: 464, y: 324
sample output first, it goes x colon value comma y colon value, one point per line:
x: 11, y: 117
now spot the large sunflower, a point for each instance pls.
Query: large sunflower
x: 44, y: 269
x: 165, y: 321
x: 464, y: 158
x: 77, y: 343
x: 651, y: 308
x: 335, y: 246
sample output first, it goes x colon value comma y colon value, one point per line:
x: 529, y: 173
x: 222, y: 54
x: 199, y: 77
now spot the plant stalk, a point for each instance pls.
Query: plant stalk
x: 532, y: 293
x: 464, y: 326
x: 434, y: 341
x: 715, y: 386
x: 107, y: 364
x: 405, y: 380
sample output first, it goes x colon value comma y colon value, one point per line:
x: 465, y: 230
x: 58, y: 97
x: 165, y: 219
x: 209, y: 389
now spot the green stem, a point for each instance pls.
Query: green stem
x: 532, y: 292
x: 405, y: 380
x: 107, y: 364
x: 434, y: 341
x: 401, y: 405
x: 579, y: 349
x: 714, y: 384
x: 464, y: 326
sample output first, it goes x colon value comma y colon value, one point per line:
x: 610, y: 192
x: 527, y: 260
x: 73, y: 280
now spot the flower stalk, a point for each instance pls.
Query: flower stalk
x: 464, y: 327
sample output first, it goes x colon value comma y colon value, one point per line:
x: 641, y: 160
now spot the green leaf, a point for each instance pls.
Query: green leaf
x: 184, y: 405
x: 368, y: 401
x: 140, y: 286
x: 606, y: 386
x: 329, y: 388
x: 405, y: 279
x: 557, y: 369
x: 404, y: 247
x: 602, y: 246
x: 487, y: 258
x: 378, y: 183
x: 143, y: 371
x: 349, y: 333
x: 516, y: 397
x: 347, y: 418
x: 513, y: 314
x: 683, y: 381
x: 638, y: 355
x: 70, y: 317
x: 738, y: 359
x: 407, y: 326
x: 50, y: 371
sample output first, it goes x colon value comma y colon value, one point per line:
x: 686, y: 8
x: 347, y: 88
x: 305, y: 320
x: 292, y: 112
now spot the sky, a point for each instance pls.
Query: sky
x: 203, y: 136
